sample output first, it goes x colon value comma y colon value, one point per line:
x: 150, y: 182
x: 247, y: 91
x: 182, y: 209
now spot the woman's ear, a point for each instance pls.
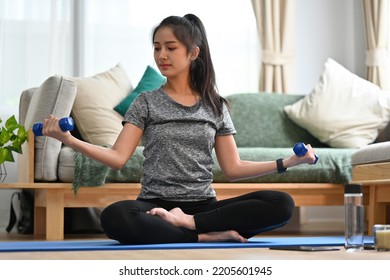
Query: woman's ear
x: 195, y: 53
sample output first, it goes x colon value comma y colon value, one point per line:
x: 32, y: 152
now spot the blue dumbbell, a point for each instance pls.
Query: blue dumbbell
x: 300, y: 150
x: 66, y: 124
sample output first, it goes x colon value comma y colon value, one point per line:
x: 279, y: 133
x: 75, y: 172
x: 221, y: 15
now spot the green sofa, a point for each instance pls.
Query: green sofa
x: 264, y: 132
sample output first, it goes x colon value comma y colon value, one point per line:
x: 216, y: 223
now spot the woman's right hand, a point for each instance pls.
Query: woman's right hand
x: 51, y: 128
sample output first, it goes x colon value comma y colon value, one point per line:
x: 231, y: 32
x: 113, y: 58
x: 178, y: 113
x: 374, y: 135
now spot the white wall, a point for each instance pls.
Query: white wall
x: 328, y: 28
x: 325, y: 28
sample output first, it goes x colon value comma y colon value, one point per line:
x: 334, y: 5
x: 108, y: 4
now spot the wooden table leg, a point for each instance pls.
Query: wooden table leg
x: 39, y: 221
x: 55, y: 214
x: 39, y: 215
x: 376, y: 209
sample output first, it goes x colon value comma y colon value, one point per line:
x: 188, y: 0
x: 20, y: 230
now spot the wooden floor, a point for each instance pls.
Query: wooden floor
x: 197, y: 254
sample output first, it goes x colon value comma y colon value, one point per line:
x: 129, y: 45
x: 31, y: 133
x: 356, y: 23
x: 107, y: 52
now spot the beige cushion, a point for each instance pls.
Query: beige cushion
x: 374, y: 153
x: 66, y: 164
x: 96, y: 97
x: 343, y: 110
x: 55, y: 96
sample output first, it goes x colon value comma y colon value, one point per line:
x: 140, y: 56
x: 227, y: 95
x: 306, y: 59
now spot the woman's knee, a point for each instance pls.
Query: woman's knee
x: 274, y: 196
x: 280, y: 201
x: 118, y: 219
x: 287, y: 204
x: 113, y: 216
x: 124, y: 209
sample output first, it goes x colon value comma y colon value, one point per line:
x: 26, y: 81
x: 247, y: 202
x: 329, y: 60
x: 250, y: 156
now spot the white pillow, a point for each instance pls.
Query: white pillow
x: 343, y: 110
x: 95, y: 118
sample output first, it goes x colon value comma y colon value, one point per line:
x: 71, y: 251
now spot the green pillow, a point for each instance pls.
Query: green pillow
x: 150, y: 80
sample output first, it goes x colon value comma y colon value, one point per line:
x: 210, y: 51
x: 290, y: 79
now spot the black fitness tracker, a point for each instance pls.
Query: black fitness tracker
x: 279, y: 164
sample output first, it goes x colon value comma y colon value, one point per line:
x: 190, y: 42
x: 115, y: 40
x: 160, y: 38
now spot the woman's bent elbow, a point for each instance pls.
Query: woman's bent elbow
x: 231, y: 177
x: 118, y: 165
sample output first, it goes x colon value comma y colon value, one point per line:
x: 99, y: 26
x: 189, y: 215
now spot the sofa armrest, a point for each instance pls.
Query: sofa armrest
x: 26, y: 160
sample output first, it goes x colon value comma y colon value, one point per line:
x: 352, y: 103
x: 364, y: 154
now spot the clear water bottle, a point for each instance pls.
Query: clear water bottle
x: 354, y: 217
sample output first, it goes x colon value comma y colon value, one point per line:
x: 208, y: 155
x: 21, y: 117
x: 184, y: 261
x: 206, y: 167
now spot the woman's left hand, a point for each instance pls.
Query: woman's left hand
x: 310, y: 157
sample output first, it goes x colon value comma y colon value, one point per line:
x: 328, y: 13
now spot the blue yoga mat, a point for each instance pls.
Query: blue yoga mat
x: 104, y: 245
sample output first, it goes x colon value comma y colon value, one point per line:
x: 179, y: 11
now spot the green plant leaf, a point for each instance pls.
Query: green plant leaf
x: 6, y: 155
x: 3, y: 152
x: 11, y: 124
x: 10, y: 140
x: 16, y: 147
x: 22, y: 133
x: 4, y: 137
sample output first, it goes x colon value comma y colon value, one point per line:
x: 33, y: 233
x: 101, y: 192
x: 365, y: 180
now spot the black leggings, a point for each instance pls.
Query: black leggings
x: 249, y: 214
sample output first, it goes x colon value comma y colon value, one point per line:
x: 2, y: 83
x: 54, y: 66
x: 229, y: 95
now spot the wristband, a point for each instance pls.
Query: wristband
x: 279, y: 164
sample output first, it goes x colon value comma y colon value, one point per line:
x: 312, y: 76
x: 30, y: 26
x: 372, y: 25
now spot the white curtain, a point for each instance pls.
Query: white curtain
x: 377, y: 15
x: 35, y: 42
x: 276, y: 27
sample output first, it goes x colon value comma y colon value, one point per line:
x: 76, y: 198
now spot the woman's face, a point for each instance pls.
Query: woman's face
x: 170, y: 55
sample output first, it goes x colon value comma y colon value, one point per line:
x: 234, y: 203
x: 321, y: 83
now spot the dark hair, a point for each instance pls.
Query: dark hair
x: 189, y: 30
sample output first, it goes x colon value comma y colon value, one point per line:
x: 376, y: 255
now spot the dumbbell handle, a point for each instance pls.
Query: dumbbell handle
x: 66, y: 124
x: 300, y: 150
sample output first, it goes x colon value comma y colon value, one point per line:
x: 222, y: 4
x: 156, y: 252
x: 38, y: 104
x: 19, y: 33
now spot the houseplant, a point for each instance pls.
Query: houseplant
x: 12, y: 136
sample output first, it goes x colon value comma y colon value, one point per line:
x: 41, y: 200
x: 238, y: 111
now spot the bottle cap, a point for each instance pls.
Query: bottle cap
x: 353, y: 188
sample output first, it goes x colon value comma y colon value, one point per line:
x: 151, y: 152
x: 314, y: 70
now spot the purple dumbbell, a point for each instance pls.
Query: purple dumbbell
x: 66, y: 124
x: 300, y: 150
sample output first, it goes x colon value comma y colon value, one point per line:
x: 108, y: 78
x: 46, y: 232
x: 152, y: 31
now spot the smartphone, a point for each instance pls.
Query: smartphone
x: 307, y: 248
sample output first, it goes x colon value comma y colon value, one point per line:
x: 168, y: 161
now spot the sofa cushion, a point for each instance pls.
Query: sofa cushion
x: 261, y: 122
x: 150, y: 80
x: 93, y: 112
x: 374, y: 153
x: 343, y: 110
x: 55, y: 96
x: 66, y: 164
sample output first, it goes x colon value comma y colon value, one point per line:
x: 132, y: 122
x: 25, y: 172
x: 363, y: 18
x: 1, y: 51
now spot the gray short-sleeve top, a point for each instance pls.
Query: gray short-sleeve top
x: 178, y: 143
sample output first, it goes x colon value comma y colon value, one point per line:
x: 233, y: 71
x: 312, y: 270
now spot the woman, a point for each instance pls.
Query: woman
x: 180, y: 124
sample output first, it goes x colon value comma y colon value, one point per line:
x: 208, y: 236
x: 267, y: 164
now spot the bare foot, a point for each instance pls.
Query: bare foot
x: 229, y: 235
x: 175, y: 217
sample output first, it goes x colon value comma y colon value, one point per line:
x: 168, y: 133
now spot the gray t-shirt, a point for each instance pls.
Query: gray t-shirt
x: 178, y: 143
